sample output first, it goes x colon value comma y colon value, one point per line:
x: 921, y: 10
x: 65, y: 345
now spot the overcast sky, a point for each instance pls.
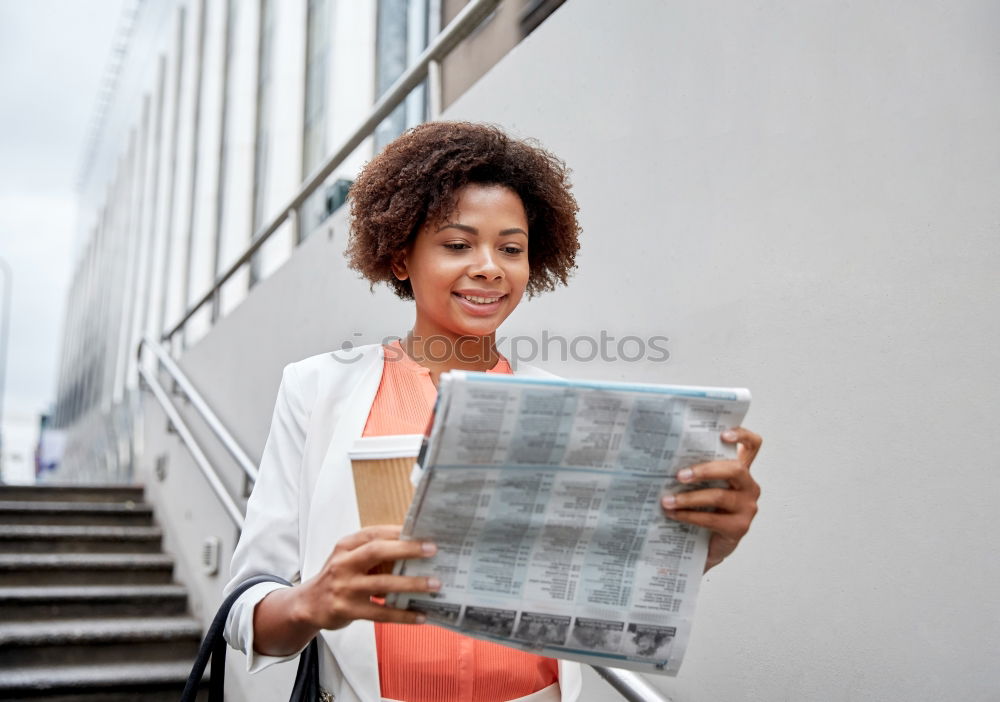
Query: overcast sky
x: 53, y: 55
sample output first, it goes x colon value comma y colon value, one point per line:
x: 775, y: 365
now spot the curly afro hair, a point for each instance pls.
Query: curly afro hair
x: 416, y: 179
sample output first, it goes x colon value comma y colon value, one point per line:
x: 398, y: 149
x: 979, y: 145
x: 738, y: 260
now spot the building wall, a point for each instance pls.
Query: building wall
x: 802, y: 199
x: 498, y: 34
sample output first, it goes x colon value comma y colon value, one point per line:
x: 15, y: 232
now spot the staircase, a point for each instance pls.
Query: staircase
x: 88, y: 610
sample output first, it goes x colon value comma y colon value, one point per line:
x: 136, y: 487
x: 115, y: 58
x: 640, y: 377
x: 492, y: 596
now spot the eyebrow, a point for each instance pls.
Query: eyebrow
x: 473, y: 230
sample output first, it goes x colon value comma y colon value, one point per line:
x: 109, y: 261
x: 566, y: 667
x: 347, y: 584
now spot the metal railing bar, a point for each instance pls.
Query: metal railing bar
x: 213, y: 422
x: 435, y: 100
x: 449, y: 37
x: 632, y: 686
x: 174, y: 417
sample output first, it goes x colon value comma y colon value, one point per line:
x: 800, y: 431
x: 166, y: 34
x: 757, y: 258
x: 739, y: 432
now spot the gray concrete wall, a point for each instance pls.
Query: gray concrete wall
x: 803, y: 198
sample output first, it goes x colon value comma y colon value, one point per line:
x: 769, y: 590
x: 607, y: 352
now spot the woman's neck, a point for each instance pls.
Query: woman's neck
x: 439, y: 353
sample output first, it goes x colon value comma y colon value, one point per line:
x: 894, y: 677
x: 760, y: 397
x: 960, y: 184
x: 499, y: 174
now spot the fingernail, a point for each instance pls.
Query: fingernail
x: 729, y: 435
x: 669, y: 502
x: 428, y: 548
x: 421, y: 618
x: 433, y: 584
x: 685, y: 475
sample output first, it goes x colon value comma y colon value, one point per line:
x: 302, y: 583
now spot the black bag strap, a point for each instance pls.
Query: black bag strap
x: 213, y: 648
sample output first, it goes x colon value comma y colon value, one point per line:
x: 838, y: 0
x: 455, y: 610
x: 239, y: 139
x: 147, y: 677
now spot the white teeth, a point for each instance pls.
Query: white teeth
x: 480, y: 300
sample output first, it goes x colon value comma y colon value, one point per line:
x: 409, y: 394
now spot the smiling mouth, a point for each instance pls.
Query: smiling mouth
x: 480, y: 300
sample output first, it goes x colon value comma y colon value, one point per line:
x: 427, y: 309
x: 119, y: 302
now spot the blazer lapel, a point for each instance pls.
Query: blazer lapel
x: 334, y: 513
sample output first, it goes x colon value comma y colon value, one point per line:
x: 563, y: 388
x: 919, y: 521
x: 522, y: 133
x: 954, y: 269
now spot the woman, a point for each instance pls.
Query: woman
x: 463, y: 220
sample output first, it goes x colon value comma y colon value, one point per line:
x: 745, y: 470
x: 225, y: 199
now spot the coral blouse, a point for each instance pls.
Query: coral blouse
x: 428, y: 663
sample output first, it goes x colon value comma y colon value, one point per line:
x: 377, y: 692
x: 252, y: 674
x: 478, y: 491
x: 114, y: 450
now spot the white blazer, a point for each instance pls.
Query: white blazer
x: 303, y: 503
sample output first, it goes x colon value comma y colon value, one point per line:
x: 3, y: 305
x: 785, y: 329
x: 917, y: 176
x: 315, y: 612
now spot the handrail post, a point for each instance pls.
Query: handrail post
x: 216, y: 304
x: 434, y: 90
x: 295, y: 215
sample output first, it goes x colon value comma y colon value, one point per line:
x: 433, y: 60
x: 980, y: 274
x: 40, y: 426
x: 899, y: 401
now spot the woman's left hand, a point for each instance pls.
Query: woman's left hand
x: 734, y: 507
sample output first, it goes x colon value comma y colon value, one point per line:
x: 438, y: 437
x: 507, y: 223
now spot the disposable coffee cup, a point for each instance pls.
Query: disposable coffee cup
x: 382, y: 466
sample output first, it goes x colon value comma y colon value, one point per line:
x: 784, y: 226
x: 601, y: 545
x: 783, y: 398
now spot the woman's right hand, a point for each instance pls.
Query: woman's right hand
x: 341, y: 592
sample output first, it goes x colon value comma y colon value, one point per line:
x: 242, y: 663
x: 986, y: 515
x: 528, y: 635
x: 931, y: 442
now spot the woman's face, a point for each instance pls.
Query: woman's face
x: 468, y: 273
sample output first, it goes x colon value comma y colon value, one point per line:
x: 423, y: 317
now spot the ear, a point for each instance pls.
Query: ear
x: 399, y: 268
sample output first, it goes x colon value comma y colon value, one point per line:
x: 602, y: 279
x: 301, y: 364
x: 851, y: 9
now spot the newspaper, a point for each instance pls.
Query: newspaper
x: 543, y: 497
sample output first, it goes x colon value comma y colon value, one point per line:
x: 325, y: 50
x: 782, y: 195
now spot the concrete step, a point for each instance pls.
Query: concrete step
x: 37, y: 538
x: 120, y: 682
x: 83, y: 588
x: 85, y: 569
x: 27, y: 603
x: 71, y: 493
x: 64, y: 513
x: 41, y: 643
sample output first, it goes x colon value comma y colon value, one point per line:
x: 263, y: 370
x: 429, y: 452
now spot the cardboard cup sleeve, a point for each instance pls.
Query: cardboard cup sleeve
x: 383, y: 489
x: 382, y: 467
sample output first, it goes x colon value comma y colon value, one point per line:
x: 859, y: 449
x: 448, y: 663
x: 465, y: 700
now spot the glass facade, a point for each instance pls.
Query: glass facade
x: 225, y: 136
x: 401, y: 35
x: 262, y: 141
x: 315, y: 110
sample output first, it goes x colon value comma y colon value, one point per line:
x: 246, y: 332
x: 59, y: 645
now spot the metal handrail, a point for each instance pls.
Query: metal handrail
x: 632, y: 686
x: 199, y: 456
x: 464, y: 23
x: 198, y: 402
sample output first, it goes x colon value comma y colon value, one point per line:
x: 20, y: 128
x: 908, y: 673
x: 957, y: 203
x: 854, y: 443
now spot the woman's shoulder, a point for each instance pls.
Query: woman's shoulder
x: 343, y: 361
x: 327, y: 373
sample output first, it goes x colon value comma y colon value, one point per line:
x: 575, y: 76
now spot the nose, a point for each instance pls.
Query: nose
x: 485, y: 265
